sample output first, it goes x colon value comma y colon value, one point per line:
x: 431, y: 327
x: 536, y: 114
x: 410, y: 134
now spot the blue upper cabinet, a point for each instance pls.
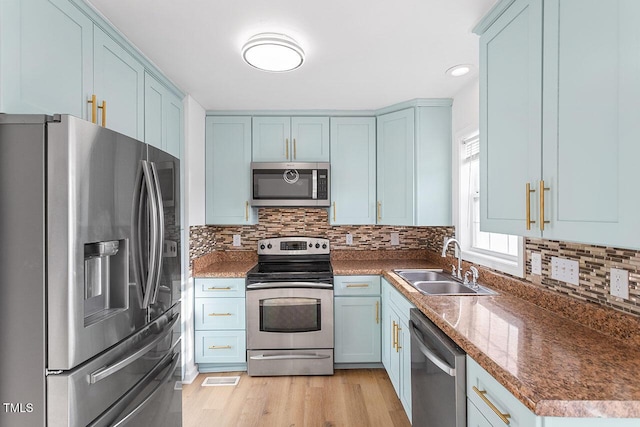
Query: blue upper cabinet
x: 395, y: 167
x: 353, y: 170
x: 119, y: 86
x: 163, y: 120
x: 290, y: 139
x: 510, y: 118
x: 227, y: 162
x: 47, y: 57
x: 559, y: 120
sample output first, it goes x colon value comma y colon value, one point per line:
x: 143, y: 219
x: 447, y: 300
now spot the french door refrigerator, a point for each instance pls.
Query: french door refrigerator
x: 89, y: 276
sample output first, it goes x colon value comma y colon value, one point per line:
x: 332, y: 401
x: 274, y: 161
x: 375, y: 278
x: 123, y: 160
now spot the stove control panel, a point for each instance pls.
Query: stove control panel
x: 293, y: 246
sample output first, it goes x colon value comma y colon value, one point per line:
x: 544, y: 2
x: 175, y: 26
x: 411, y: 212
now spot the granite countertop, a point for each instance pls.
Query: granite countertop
x: 554, y: 365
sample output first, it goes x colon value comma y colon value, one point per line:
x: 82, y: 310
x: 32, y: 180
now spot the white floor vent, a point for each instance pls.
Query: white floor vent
x: 220, y: 381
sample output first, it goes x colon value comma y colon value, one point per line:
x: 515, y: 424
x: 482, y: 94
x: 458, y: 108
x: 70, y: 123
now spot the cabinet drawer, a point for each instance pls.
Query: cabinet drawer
x: 222, y: 287
x: 219, y: 313
x: 498, y: 396
x: 356, y: 285
x: 399, y: 301
x: 220, y: 347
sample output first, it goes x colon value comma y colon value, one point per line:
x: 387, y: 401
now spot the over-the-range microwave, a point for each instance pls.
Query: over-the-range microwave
x: 290, y: 184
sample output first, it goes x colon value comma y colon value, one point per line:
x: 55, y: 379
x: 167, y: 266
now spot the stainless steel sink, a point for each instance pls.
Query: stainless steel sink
x: 435, y: 282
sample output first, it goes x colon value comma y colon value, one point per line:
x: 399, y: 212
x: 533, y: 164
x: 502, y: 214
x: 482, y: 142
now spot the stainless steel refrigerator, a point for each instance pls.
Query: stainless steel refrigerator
x: 89, y: 276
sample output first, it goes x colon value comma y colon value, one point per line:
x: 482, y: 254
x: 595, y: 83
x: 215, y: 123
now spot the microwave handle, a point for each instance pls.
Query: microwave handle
x: 314, y: 178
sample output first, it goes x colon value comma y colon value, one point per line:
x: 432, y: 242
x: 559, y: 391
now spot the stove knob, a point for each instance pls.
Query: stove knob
x: 269, y: 246
x: 324, y: 246
x: 262, y: 246
x: 310, y: 245
x: 317, y: 245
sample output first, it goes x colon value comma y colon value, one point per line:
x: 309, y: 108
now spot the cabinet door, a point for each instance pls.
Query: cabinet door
x: 271, y: 139
x: 162, y: 117
x: 118, y: 80
x: 310, y: 139
x: 510, y: 118
x: 391, y: 352
x: 353, y: 170
x: 228, y: 161
x: 47, y: 57
x: 357, y: 329
x: 591, y: 150
x: 404, y: 342
x: 395, y: 168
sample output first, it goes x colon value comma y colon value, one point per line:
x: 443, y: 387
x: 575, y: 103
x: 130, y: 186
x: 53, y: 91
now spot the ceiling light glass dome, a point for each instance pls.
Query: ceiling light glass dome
x: 273, y: 52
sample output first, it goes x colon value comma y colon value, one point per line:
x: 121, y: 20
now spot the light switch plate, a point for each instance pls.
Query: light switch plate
x: 536, y: 263
x: 349, y: 239
x: 395, y: 239
x: 236, y: 240
x: 619, y: 283
x: 565, y: 270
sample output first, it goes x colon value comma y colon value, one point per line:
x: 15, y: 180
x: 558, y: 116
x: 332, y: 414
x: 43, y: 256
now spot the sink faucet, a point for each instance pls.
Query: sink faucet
x: 444, y: 254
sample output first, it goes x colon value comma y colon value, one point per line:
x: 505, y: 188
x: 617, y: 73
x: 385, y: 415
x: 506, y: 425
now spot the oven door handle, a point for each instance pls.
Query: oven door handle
x: 289, y: 356
x: 279, y: 285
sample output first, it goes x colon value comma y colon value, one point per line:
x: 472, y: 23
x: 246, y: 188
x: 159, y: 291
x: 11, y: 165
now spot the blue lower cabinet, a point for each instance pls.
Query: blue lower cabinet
x: 221, y: 347
x: 357, y: 329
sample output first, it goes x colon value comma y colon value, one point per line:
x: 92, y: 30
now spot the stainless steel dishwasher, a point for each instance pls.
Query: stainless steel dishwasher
x: 438, y: 376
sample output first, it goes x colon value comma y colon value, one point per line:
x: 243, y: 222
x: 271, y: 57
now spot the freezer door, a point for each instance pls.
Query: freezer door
x: 91, y: 295
x: 113, y: 385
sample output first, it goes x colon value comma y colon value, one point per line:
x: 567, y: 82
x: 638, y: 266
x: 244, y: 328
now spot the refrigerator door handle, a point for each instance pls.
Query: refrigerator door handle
x: 160, y: 232
x: 153, y: 231
x: 106, y: 371
x: 136, y: 233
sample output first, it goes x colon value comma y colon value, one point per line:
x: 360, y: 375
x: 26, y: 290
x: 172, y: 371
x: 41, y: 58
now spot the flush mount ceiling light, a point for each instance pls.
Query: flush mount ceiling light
x: 459, y: 70
x: 273, y: 52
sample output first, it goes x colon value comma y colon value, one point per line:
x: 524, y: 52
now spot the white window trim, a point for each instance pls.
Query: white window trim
x: 514, y: 268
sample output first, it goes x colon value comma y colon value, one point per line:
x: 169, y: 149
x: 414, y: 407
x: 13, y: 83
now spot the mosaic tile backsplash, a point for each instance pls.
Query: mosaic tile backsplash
x: 595, y: 261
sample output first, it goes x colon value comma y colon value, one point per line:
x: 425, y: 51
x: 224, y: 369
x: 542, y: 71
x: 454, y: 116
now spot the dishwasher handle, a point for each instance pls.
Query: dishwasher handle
x: 429, y: 354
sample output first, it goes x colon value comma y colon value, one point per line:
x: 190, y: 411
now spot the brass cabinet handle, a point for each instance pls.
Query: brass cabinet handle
x: 295, y: 151
x: 528, y: 208
x: 94, y: 108
x: 219, y: 347
x: 379, y: 211
x: 226, y: 288
x: 286, y: 148
x: 398, y: 329
x: 358, y: 285
x: 394, y: 344
x: 246, y: 211
x: 220, y: 314
x: 482, y: 393
x: 334, y: 211
x: 103, y: 107
x: 542, y: 190
x: 377, y: 312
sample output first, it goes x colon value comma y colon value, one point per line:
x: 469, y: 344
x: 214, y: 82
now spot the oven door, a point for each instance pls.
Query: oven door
x: 289, y: 318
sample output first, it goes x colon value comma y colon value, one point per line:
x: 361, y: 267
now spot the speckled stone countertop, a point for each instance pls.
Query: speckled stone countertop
x: 224, y: 264
x: 555, y: 365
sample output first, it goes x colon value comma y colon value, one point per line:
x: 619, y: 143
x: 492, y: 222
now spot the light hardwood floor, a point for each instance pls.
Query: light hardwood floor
x: 352, y: 397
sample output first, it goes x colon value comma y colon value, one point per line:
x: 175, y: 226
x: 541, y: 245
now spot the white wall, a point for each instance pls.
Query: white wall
x: 193, y: 172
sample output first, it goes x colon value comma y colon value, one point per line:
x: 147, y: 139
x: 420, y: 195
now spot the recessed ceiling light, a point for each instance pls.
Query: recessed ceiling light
x: 459, y: 70
x: 273, y: 52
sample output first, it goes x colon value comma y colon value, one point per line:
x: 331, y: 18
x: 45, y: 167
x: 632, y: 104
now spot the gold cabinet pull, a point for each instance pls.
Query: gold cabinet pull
x: 394, y: 344
x: 286, y: 148
x: 295, y: 151
x: 334, y: 211
x: 246, y: 211
x: 542, y: 190
x: 103, y: 107
x: 377, y: 312
x: 379, y: 211
x: 358, y: 285
x: 528, y: 208
x: 226, y: 288
x: 398, y: 329
x: 219, y: 347
x: 220, y: 314
x: 94, y: 108
x: 482, y: 393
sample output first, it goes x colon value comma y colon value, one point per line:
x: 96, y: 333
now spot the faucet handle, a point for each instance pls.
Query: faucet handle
x: 454, y: 270
x: 475, y: 273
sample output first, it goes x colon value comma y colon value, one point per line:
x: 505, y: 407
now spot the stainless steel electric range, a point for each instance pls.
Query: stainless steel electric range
x: 290, y: 308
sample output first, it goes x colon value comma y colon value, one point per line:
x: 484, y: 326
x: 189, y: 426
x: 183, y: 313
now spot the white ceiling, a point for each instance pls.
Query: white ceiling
x: 361, y: 54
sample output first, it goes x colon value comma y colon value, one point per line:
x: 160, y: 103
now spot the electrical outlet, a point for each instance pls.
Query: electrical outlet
x: 236, y: 240
x: 536, y: 263
x: 565, y: 270
x: 349, y: 239
x: 619, y: 283
x: 395, y: 239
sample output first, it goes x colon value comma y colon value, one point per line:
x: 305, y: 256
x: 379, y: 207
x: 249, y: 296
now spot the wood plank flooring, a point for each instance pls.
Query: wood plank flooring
x: 351, y: 397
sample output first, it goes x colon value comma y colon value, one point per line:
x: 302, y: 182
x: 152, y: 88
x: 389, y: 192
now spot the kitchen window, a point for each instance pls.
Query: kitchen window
x: 494, y: 250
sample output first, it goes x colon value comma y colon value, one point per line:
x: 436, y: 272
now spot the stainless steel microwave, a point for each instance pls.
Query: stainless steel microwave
x: 290, y: 184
